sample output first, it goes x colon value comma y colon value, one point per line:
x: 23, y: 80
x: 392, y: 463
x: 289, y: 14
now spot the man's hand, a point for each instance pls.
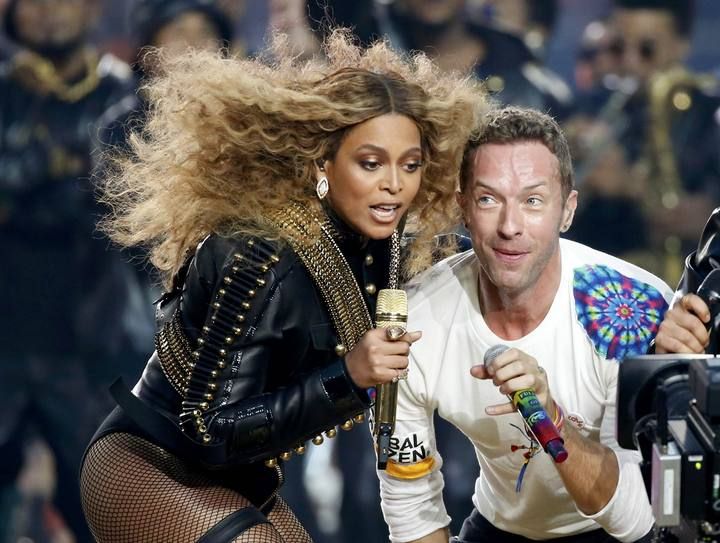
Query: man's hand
x: 515, y: 370
x: 590, y: 473
x: 683, y: 330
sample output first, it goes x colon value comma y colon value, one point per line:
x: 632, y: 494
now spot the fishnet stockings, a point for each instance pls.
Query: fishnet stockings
x: 134, y: 491
x: 288, y: 527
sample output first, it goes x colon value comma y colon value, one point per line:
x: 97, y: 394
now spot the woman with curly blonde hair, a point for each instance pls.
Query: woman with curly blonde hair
x: 273, y: 199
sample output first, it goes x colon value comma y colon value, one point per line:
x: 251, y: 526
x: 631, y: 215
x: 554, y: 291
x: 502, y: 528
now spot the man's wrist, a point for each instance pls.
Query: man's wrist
x: 558, y: 416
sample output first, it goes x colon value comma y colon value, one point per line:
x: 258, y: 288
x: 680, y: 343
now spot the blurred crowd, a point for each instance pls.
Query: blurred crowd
x: 641, y: 117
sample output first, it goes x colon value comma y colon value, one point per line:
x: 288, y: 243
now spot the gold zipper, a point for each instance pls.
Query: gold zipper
x: 281, y: 480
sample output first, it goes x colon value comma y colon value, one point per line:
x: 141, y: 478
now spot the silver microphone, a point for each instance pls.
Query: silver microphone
x: 391, y: 313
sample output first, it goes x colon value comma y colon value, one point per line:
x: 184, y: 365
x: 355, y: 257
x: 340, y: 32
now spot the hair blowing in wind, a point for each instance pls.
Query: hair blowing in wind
x: 227, y: 140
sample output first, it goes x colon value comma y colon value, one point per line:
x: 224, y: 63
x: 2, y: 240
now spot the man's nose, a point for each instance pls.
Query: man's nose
x: 511, y: 220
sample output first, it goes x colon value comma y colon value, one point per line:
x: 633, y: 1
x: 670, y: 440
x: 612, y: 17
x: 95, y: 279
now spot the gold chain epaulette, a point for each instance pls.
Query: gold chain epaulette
x: 175, y: 354
x: 330, y: 270
x: 229, y: 310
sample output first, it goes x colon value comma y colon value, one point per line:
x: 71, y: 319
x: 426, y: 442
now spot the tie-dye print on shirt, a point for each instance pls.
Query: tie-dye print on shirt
x: 621, y: 315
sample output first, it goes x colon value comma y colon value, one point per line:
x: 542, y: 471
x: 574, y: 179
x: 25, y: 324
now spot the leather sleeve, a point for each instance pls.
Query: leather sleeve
x: 706, y: 258
x: 267, y: 425
x: 698, y: 266
x: 237, y: 395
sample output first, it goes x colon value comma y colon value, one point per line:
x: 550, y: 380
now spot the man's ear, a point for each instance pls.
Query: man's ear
x: 569, y: 211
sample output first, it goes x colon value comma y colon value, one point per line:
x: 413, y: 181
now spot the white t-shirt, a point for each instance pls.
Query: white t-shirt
x: 605, y: 309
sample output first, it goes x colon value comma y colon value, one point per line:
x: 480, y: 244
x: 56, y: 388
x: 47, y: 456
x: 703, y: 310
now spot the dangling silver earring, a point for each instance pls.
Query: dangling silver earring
x: 322, y: 187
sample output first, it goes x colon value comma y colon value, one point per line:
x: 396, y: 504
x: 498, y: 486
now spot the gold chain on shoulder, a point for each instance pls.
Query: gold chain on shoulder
x: 330, y: 270
x: 175, y: 355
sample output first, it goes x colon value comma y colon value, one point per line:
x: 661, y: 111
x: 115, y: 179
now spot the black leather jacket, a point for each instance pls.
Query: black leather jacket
x: 284, y: 382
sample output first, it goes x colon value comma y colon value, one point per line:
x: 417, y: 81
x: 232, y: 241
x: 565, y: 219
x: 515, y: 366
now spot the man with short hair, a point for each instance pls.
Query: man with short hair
x: 652, y: 35
x: 569, y: 315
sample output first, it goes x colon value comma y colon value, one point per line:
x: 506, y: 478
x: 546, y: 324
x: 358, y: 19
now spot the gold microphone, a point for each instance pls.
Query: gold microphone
x: 391, y: 314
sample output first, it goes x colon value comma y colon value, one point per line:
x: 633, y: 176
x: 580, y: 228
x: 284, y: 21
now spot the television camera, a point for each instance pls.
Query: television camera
x: 668, y: 407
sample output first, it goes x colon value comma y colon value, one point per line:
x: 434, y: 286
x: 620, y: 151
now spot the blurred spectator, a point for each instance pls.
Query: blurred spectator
x: 514, y: 75
x: 161, y: 29
x: 597, y: 59
x: 647, y: 149
x: 63, y: 291
x: 653, y: 36
x: 174, y: 26
x: 247, y: 22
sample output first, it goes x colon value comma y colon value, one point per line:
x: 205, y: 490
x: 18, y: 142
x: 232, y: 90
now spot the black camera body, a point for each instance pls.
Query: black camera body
x: 668, y: 407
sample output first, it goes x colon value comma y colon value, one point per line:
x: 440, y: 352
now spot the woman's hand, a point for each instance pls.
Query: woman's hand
x: 683, y: 330
x: 376, y: 359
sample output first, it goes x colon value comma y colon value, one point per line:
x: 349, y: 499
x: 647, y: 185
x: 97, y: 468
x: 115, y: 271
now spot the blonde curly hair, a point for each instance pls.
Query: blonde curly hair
x: 228, y: 140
